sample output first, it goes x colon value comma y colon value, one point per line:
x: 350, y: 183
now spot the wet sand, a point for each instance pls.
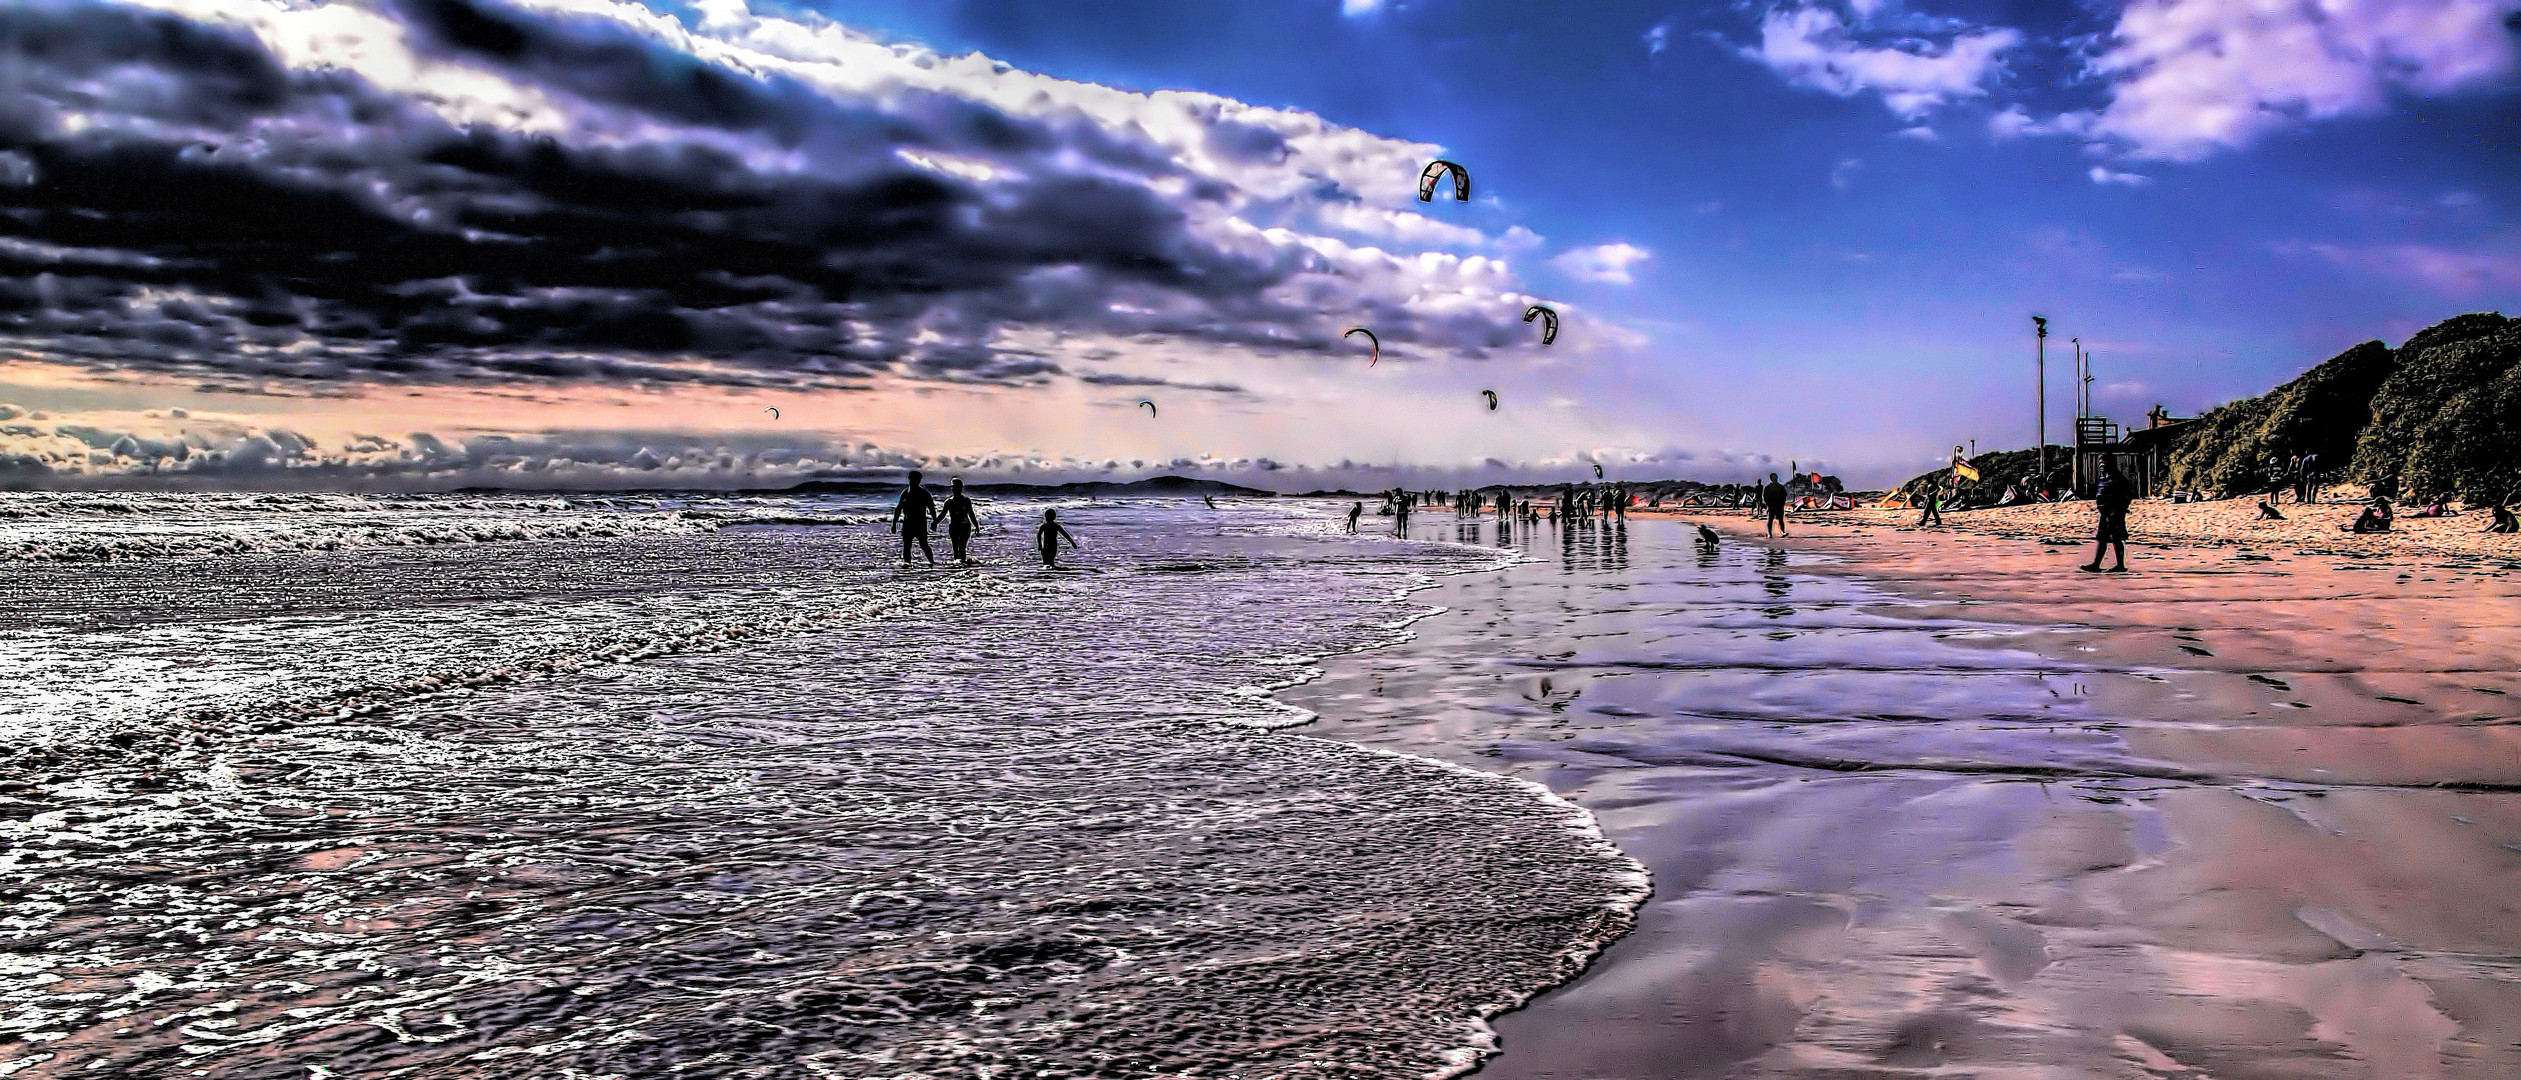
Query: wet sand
x: 1935, y: 803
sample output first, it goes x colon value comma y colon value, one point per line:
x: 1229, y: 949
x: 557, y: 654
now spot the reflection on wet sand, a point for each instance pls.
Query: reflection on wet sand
x: 1914, y: 803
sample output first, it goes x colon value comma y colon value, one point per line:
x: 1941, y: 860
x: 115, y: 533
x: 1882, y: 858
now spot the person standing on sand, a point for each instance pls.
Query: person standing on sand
x: 912, y: 514
x: 1773, y: 499
x: 1355, y: 511
x: 1934, y: 507
x: 960, y: 519
x: 1046, y: 538
x: 2111, y: 496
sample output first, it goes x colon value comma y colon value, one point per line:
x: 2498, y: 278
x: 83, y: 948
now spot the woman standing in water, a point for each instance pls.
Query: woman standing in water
x: 960, y: 519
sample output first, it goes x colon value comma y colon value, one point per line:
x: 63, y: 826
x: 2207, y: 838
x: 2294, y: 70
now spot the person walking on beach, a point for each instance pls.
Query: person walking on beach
x: 2111, y: 497
x: 1773, y: 499
x: 1934, y: 507
x: 1355, y: 511
x: 912, y: 514
x: 1046, y: 538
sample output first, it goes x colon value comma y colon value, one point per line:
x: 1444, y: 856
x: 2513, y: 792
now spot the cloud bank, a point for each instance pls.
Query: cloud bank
x: 173, y: 449
x: 465, y: 192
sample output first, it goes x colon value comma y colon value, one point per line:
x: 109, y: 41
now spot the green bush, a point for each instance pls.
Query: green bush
x: 2447, y: 424
x: 2319, y: 412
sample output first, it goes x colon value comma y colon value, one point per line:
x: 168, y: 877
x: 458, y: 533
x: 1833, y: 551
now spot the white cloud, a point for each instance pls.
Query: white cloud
x: 1602, y: 262
x: 1657, y: 40
x: 2195, y: 76
x: 2104, y: 175
x: 1813, y: 47
x: 1920, y: 132
x: 2455, y: 272
x: 1353, y: 8
x: 1844, y: 173
x: 2014, y: 123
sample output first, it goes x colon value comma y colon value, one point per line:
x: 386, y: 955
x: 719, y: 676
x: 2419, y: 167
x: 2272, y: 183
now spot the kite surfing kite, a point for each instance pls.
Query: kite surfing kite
x: 772, y: 410
x: 1437, y: 170
x: 1549, y: 321
x: 1597, y: 470
x: 1371, y: 340
x: 1150, y: 407
x: 1491, y: 395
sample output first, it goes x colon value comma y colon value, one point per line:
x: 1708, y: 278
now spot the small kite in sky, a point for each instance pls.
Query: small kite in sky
x: 1549, y: 321
x: 1150, y: 407
x: 773, y: 410
x: 1597, y: 470
x: 1371, y: 340
x: 1491, y: 395
x: 1439, y: 169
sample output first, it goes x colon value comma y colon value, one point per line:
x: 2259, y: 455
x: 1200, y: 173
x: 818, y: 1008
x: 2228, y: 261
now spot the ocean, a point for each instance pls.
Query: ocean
x: 466, y: 785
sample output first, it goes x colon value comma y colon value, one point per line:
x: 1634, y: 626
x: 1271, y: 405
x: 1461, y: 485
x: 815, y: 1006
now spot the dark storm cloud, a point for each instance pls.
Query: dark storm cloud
x: 175, y: 197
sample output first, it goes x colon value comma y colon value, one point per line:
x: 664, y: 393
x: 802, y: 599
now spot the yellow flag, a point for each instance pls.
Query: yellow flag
x: 1963, y: 469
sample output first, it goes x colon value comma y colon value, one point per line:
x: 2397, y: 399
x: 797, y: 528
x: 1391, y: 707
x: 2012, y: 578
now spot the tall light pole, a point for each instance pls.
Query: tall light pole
x: 2042, y: 326
x: 2078, y: 376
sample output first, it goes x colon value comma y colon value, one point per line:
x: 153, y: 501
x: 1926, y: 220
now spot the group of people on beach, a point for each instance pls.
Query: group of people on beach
x: 916, y: 511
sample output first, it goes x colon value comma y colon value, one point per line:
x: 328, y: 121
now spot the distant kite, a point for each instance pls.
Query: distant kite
x: 1438, y: 169
x: 1491, y: 395
x: 1597, y: 470
x: 1549, y: 321
x: 772, y: 410
x: 1375, y: 342
x: 1150, y: 407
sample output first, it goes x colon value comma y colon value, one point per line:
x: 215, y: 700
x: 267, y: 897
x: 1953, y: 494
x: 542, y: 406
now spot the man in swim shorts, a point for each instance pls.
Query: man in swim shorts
x: 912, y: 514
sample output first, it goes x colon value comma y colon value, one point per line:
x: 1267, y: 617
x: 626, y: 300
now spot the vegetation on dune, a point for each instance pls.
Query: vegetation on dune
x: 1996, y: 468
x: 2448, y: 422
x: 2439, y: 417
x: 2319, y: 412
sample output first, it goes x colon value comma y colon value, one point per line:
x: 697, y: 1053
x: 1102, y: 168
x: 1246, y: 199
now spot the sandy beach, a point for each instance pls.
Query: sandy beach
x: 1932, y: 802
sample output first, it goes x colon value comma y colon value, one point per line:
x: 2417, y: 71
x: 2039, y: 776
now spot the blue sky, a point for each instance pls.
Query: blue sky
x: 1801, y: 240
x: 1807, y: 230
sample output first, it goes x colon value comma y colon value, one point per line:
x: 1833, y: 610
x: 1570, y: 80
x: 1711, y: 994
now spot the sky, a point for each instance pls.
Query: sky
x: 589, y: 244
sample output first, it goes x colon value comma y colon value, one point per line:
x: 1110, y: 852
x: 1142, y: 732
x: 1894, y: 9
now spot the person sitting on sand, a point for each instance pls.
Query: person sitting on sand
x: 1047, y: 538
x: 2374, y: 519
x: 2504, y: 521
x: 2267, y: 511
x: 2111, y: 497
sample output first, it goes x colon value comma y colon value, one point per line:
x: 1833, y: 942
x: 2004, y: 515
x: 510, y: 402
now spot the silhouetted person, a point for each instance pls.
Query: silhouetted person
x: 1933, y: 514
x: 2374, y: 519
x: 1773, y: 499
x: 2267, y: 511
x: 911, y: 514
x: 1046, y: 539
x: 1355, y: 511
x: 960, y: 519
x: 1212, y: 503
x: 2504, y: 521
x: 2111, y: 498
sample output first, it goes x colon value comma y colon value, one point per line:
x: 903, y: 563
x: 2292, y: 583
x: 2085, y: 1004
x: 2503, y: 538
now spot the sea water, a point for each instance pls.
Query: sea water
x: 439, y: 786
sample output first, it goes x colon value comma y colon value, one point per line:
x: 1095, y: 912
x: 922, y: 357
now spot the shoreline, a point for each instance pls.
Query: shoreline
x: 2311, y: 884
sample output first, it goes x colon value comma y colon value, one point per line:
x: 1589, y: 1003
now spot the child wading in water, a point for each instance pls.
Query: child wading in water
x: 1047, y: 538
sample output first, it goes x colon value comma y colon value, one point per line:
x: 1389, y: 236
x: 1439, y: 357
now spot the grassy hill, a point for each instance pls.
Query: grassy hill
x: 2439, y: 417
